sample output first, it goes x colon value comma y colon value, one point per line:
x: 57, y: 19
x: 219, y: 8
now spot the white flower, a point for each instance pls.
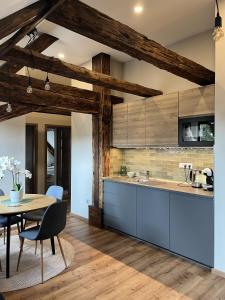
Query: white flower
x: 1, y: 174
x: 12, y: 165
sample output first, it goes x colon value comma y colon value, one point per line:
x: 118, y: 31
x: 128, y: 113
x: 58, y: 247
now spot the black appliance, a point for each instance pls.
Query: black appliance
x: 196, y: 132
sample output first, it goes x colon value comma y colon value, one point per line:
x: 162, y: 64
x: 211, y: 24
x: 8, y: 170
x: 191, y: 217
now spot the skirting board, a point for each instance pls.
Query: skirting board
x: 79, y: 217
x: 218, y: 272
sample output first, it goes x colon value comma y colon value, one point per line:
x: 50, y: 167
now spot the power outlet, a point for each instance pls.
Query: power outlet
x: 185, y: 166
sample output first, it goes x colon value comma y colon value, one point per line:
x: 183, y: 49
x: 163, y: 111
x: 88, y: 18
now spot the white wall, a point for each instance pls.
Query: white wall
x: 220, y: 152
x: 82, y: 164
x: 199, y: 48
x: 12, y: 137
x: 81, y: 156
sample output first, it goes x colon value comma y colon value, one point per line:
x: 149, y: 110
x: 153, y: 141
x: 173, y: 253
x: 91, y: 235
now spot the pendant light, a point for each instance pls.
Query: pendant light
x: 218, y: 33
x: 9, y: 108
x: 29, y: 88
x: 47, y: 84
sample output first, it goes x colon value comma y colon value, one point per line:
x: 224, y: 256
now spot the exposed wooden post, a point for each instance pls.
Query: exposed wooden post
x: 101, y: 139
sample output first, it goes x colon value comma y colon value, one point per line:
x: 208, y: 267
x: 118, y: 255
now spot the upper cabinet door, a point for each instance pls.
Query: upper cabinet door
x: 197, y: 101
x: 162, y: 120
x: 119, y: 132
x: 136, y: 123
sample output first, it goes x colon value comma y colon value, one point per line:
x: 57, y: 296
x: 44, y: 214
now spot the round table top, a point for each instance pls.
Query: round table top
x: 30, y: 202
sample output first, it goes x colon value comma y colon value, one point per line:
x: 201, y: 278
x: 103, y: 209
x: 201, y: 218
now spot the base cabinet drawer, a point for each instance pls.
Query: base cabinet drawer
x: 120, y: 207
x: 153, y: 216
x: 192, y: 227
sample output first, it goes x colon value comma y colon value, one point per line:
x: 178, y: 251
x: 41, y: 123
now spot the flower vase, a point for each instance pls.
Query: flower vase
x: 16, y: 196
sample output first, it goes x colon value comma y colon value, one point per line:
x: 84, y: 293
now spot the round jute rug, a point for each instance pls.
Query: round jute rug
x: 29, y: 273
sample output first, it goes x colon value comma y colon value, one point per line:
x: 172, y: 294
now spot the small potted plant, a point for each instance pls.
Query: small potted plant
x: 12, y: 165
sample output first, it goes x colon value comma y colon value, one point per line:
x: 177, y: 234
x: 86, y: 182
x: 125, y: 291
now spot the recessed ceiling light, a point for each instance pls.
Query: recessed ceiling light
x: 61, y: 55
x: 138, y: 9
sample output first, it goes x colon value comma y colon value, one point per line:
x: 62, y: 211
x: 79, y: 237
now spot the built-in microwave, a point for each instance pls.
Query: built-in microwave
x: 196, y: 132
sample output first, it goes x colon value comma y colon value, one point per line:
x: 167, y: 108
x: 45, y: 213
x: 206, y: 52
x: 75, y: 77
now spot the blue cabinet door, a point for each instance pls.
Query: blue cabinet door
x: 191, y: 227
x: 120, y: 207
x: 153, y: 216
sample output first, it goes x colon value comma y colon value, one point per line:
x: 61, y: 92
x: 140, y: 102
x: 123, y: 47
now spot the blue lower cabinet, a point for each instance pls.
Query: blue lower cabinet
x: 120, y: 207
x: 153, y: 216
x: 182, y: 223
x: 192, y: 227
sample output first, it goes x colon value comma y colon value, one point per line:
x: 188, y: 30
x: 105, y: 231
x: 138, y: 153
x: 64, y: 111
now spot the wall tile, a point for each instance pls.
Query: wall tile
x: 161, y: 162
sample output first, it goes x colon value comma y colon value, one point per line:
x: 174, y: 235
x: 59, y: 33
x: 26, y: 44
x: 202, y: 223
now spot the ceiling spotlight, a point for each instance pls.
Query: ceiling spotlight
x: 218, y: 31
x: 61, y: 56
x: 8, y: 108
x: 138, y: 9
x: 47, y: 84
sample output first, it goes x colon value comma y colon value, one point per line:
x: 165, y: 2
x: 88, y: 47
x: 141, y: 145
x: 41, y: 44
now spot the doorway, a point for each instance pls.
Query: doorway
x: 58, y: 158
x: 31, y: 157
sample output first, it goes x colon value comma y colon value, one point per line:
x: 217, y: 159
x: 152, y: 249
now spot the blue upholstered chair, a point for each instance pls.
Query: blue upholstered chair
x: 3, y: 219
x: 2, y: 297
x: 53, y: 222
x: 36, y: 216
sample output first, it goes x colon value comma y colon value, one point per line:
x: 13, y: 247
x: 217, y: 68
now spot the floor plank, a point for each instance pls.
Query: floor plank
x: 109, y: 266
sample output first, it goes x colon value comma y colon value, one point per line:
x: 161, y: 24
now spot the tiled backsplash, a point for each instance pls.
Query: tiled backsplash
x: 161, y: 162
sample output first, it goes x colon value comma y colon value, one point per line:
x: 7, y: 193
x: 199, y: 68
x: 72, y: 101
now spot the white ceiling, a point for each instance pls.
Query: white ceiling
x: 165, y: 21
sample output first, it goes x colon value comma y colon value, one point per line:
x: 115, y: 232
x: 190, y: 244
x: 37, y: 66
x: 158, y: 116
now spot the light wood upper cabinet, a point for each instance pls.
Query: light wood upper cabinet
x: 197, y: 101
x: 162, y: 120
x: 119, y: 127
x: 136, y: 123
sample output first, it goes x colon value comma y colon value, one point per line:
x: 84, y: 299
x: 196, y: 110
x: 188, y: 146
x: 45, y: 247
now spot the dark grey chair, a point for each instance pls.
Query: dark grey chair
x: 36, y: 216
x: 53, y: 222
x: 3, y: 219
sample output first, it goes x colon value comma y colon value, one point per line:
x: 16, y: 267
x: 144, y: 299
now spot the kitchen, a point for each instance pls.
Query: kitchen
x: 147, y: 145
x: 161, y: 184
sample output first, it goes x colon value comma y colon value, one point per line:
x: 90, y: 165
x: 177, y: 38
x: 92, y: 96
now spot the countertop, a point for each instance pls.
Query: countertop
x: 163, y: 185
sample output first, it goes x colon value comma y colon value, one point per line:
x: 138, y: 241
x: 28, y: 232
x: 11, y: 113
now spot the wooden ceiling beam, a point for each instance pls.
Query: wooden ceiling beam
x: 50, y: 6
x: 39, y: 44
x: 17, y: 111
x: 53, y: 65
x: 23, y: 109
x: 22, y: 81
x: 10, y: 91
x: 20, y: 18
x: 87, y: 21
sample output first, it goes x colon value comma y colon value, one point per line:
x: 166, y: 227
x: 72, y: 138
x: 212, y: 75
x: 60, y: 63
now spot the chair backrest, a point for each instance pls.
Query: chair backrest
x: 55, y: 191
x: 54, y: 220
x: 2, y: 193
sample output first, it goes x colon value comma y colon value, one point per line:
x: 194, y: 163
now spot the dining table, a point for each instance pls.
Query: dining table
x: 30, y: 202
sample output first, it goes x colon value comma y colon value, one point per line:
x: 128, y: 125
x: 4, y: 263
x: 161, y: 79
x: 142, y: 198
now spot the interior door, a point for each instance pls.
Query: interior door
x: 58, y: 162
x: 63, y: 174
x: 31, y: 157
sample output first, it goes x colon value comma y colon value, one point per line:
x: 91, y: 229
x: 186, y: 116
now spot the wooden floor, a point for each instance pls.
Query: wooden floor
x: 111, y: 266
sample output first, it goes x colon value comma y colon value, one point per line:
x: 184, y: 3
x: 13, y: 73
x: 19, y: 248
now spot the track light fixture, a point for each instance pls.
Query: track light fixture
x: 47, y: 84
x: 218, y: 31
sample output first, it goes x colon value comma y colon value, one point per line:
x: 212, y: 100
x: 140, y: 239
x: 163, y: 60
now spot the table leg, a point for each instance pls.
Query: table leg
x: 21, y: 229
x: 53, y: 245
x: 8, y: 246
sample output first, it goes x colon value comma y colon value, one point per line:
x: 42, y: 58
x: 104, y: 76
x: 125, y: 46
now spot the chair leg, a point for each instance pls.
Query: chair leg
x: 25, y: 224
x: 35, y: 248
x: 4, y: 235
x: 0, y: 266
x: 42, y: 263
x: 18, y: 228
x: 20, y: 254
x: 61, y: 249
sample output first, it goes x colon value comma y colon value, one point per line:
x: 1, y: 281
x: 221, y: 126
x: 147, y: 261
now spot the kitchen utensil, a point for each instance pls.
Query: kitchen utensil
x: 130, y: 174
